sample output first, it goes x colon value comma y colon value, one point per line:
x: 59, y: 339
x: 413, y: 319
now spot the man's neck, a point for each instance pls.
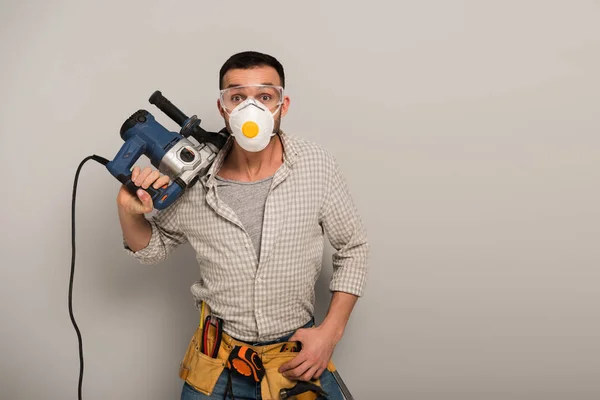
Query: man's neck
x: 245, y: 166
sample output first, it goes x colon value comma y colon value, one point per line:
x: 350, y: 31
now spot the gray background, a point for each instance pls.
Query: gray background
x: 468, y: 134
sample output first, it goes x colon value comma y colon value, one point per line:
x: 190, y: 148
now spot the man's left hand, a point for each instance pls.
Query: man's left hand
x: 317, y: 349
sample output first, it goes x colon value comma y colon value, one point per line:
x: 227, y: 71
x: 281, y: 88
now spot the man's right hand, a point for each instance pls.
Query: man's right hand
x: 142, y: 203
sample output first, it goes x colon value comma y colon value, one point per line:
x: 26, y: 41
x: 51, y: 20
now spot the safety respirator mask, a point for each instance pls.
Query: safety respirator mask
x: 251, y: 119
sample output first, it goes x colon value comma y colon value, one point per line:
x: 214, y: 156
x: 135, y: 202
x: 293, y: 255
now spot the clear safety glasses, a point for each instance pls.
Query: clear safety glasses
x: 269, y: 95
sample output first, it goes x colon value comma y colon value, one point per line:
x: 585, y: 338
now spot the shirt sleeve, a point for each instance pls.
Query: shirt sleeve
x: 166, y: 236
x: 346, y: 233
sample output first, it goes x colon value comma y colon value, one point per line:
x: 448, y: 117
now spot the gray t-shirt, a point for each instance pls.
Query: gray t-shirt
x: 247, y: 200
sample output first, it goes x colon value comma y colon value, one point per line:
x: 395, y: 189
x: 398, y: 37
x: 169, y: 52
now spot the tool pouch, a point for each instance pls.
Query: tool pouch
x: 202, y: 372
x: 198, y: 369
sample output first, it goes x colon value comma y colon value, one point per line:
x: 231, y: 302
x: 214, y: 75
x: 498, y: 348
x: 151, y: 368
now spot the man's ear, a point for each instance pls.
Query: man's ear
x: 221, y: 110
x: 285, y: 105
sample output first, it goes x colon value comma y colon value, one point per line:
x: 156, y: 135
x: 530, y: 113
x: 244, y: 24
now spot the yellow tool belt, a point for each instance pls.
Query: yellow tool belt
x: 202, y: 371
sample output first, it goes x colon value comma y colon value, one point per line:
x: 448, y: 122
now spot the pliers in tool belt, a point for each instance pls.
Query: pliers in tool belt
x: 218, y: 323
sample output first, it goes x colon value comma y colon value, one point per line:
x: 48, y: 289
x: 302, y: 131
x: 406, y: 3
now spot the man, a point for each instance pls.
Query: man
x: 257, y: 221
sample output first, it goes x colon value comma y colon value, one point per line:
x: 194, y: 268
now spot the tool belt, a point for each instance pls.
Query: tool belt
x: 208, y: 355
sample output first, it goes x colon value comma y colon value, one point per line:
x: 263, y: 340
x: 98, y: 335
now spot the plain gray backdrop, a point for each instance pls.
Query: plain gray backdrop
x: 467, y: 131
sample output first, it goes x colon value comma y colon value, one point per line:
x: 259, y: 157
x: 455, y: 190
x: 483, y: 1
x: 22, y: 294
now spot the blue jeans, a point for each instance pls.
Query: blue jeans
x: 243, y: 389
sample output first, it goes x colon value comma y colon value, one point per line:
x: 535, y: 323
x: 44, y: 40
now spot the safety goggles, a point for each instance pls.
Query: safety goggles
x: 269, y: 95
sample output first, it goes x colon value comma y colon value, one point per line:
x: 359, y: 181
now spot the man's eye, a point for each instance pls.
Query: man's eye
x: 236, y: 98
x: 265, y: 97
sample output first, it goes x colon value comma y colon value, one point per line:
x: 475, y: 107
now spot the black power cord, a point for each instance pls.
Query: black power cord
x: 102, y: 161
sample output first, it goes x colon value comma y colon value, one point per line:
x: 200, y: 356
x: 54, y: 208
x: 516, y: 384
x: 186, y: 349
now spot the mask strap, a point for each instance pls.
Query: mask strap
x: 276, y: 110
x: 273, y: 114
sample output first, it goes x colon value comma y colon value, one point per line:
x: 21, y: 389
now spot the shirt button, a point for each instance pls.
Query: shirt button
x: 258, y: 313
x: 246, y: 245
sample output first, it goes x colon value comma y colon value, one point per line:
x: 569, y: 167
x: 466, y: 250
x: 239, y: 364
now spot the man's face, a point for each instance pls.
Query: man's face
x: 263, y: 75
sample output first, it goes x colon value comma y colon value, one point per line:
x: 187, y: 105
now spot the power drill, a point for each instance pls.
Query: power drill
x: 172, y: 153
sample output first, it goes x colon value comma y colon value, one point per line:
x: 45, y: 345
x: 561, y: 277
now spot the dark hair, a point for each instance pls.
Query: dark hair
x: 251, y: 59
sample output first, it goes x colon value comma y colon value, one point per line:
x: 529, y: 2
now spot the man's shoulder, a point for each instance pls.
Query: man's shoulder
x: 306, y: 150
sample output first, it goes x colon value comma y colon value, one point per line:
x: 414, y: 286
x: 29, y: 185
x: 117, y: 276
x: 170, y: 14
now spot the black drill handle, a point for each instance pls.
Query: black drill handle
x: 168, y: 108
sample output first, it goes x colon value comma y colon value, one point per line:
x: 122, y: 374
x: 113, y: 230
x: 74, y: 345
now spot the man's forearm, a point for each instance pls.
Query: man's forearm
x: 340, y: 308
x: 136, y: 230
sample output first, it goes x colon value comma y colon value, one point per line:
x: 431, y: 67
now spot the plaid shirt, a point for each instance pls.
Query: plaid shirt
x: 261, y: 301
